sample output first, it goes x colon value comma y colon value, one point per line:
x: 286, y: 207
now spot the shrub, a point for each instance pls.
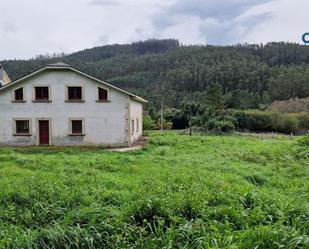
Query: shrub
x: 148, y: 123
x: 220, y: 126
x: 285, y: 123
x: 230, y: 118
x: 176, y: 117
x: 303, y: 119
x: 166, y: 125
x: 255, y: 120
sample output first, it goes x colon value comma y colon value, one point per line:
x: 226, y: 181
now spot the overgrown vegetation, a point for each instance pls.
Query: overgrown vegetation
x: 178, y: 192
x: 294, y: 105
x: 211, y: 116
x: 250, y: 75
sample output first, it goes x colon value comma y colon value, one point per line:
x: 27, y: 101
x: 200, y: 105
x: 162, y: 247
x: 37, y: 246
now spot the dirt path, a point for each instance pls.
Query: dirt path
x: 133, y: 148
x: 138, y: 146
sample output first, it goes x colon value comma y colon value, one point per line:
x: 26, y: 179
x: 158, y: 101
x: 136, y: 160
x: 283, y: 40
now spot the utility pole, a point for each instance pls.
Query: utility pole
x: 161, y: 116
x: 190, y: 119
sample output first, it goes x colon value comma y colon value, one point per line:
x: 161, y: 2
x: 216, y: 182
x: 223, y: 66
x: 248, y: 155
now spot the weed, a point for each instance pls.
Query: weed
x: 149, y: 213
x: 180, y: 191
x: 256, y: 180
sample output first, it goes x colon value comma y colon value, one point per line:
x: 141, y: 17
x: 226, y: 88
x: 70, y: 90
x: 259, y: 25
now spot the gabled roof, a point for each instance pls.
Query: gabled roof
x: 61, y: 65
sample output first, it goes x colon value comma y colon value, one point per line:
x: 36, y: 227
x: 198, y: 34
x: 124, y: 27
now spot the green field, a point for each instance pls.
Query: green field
x: 178, y: 192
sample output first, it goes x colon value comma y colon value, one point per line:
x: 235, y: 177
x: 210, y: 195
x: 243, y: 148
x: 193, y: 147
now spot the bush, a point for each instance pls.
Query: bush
x: 285, y: 123
x: 176, y: 117
x: 220, y: 126
x: 255, y: 120
x: 303, y: 119
x: 148, y: 123
x: 166, y: 125
x: 290, y: 123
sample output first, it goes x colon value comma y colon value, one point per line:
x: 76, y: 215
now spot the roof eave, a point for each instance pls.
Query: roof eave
x: 23, y: 78
x: 139, y: 99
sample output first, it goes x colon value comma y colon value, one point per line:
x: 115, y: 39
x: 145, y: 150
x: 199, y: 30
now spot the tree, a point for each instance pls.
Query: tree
x: 214, y: 98
x: 163, y: 69
x: 190, y: 110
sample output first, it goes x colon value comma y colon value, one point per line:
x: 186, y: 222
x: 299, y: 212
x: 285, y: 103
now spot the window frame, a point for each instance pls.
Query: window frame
x: 137, y: 125
x: 71, y: 126
x: 15, y: 133
x: 41, y: 101
x: 67, y: 93
x: 132, y: 126
x: 14, y: 95
x: 98, y: 95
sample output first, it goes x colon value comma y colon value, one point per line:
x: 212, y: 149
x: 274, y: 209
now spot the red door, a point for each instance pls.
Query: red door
x: 44, y: 132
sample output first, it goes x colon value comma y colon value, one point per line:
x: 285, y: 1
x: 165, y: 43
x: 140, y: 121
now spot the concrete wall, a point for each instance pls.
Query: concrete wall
x: 136, y: 121
x: 106, y: 124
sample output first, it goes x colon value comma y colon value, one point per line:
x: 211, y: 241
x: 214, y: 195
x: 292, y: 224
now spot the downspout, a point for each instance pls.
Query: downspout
x: 129, y: 122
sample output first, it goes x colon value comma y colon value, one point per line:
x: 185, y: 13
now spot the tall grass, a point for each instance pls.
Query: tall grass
x: 178, y: 192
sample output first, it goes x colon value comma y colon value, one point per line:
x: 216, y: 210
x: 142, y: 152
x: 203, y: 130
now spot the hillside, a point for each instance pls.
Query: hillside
x: 155, y: 69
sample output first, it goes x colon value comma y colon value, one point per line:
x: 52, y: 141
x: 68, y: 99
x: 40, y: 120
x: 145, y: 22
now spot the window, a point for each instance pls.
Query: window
x: 75, y: 93
x: 137, y: 125
x: 42, y: 93
x: 132, y: 123
x: 77, y: 127
x: 22, y: 127
x: 19, y: 94
x: 103, y: 94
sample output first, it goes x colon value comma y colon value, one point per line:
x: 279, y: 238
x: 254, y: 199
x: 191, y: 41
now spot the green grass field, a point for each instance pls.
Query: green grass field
x: 178, y: 192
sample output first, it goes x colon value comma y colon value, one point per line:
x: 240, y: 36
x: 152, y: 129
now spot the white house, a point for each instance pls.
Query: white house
x: 59, y: 105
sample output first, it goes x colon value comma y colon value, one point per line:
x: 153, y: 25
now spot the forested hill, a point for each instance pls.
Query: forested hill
x: 249, y: 74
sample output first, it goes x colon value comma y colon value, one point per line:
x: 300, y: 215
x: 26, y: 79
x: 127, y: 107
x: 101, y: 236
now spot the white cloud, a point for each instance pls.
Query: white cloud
x: 219, y: 21
x: 32, y: 27
x: 289, y: 22
x: 187, y: 31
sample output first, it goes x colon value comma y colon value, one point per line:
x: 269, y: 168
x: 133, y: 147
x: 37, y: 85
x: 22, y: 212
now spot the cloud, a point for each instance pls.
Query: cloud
x: 232, y: 31
x: 104, y: 3
x: 220, y: 21
x: 103, y: 39
x: 32, y: 27
x: 217, y: 9
x: 9, y: 27
x: 289, y: 21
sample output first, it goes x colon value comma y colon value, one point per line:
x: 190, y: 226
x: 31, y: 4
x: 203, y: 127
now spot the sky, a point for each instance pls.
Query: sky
x: 32, y: 27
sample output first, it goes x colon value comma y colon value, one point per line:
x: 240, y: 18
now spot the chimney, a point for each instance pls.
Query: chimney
x: 4, y: 78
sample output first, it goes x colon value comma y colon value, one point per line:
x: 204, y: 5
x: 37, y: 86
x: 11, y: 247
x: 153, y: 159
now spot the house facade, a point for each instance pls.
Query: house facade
x: 59, y: 105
